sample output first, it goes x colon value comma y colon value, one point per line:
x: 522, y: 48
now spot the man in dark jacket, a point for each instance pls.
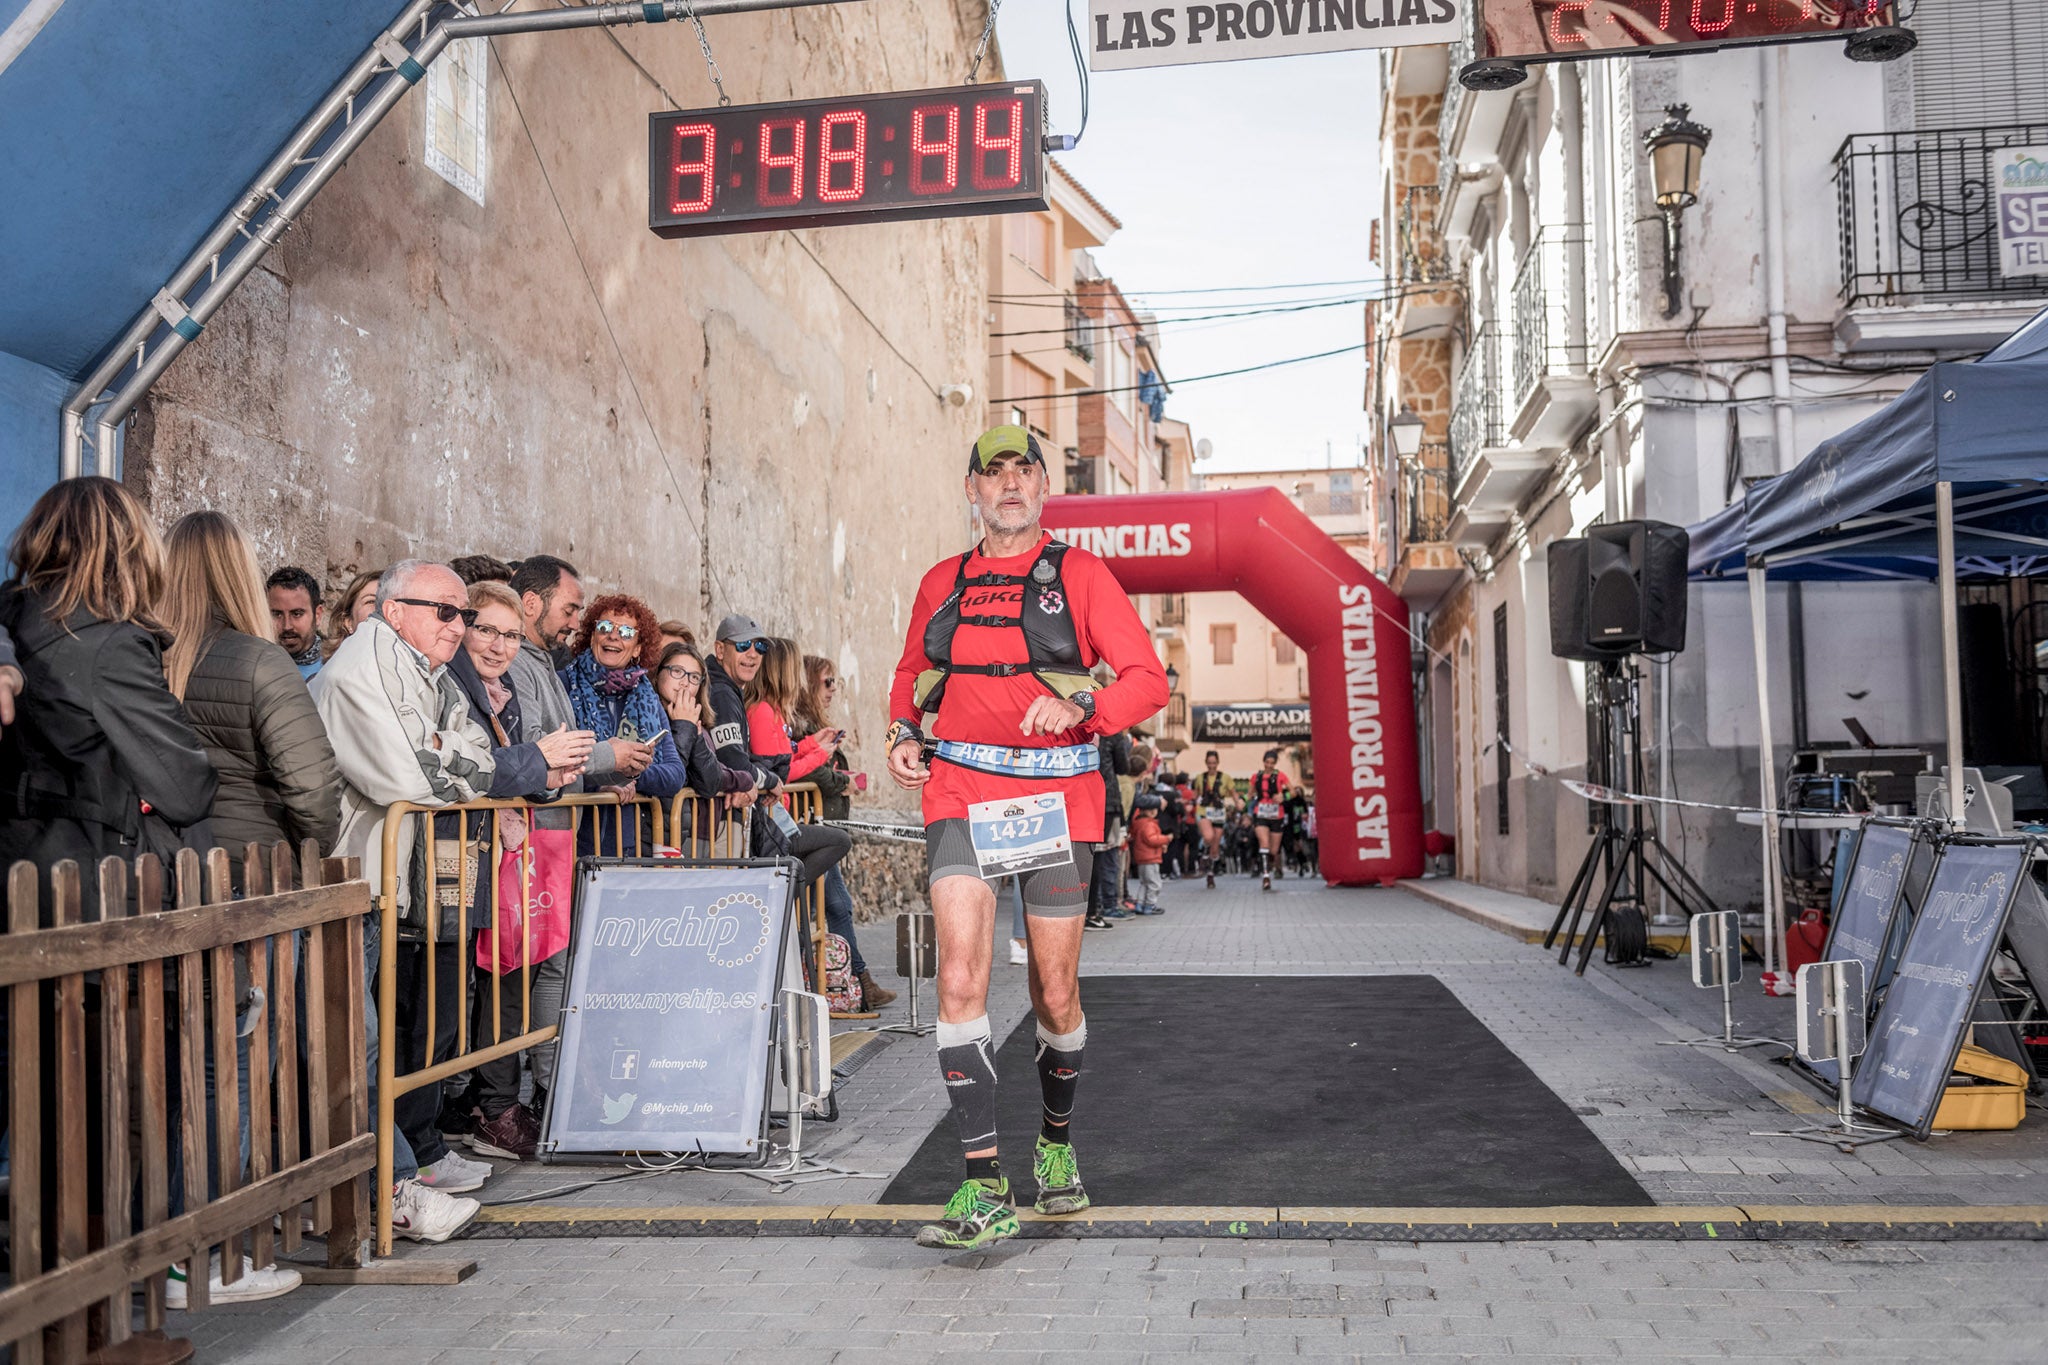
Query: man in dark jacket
x: 1105, y: 889
x: 101, y: 761
x: 735, y: 659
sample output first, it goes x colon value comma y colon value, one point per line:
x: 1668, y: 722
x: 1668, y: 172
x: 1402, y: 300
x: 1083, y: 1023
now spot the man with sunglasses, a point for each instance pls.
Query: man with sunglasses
x: 736, y: 657
x: 1002, y: 640
x: 402, y: 731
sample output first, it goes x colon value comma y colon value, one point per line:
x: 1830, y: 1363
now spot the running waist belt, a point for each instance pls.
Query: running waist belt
x: 1064, y: 760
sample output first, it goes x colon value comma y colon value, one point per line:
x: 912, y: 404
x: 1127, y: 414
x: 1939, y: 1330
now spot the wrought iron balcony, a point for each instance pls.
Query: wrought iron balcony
x: 1550, y: 335
x: 1426, y: 487
x: 1425, y: 258
x: 1475, y: 403
x: 1917, y: 216
x: 1455, y: 95
x: 1080, y: 331
x: 1171, y: 609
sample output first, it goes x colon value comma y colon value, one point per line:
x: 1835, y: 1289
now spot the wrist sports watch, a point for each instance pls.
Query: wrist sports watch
x: 900, y: 732
x: 1086, y: 701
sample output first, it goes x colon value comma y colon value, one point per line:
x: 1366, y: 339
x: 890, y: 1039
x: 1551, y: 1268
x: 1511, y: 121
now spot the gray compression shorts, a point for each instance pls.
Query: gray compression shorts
x: 1050, y: 893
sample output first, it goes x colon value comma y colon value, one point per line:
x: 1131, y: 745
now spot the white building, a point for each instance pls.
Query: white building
x: 1838, y: 246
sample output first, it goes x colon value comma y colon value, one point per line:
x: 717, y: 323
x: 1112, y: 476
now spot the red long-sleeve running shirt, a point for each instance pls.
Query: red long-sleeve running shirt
x: 980, y: 709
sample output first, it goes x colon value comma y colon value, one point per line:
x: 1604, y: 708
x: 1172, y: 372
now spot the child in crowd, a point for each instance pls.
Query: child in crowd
x: 1148, y: 843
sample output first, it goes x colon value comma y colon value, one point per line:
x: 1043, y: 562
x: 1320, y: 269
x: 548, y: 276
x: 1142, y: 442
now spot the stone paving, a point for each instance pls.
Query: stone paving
x: 1680, y: 1118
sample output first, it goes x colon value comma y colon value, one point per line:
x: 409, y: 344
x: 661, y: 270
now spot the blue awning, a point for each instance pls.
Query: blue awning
x: 1862, y: 504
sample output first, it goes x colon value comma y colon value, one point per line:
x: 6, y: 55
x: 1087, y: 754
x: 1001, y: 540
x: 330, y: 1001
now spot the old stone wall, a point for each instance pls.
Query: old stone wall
x: 730, y: 423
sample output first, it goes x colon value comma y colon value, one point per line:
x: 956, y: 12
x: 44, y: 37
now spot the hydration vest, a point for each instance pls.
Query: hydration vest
x: 1051, y: 642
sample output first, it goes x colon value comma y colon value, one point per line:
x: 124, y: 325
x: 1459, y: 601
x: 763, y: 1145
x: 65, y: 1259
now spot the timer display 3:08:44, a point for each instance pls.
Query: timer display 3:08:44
x: 865, y: 158
x: 1566, y: 26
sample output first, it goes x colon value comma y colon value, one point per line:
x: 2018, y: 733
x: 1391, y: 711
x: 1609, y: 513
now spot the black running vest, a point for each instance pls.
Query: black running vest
x: 1051, y: 642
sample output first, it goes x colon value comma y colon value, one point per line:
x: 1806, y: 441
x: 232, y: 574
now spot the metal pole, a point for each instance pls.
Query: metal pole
x: 1767, y: 764
x: 404, y: 73
x: 1951, y: 653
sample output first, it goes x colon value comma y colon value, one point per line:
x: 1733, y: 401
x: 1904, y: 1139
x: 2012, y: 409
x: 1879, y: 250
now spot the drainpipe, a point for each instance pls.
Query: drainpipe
x: 406, y: 68
x: 1770, y: 71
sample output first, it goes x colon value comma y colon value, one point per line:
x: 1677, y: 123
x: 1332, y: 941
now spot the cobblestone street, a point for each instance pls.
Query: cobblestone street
x: 1679, y: 1119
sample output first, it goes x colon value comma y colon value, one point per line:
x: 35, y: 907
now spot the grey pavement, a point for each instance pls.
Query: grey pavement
x: 1679, y: 1118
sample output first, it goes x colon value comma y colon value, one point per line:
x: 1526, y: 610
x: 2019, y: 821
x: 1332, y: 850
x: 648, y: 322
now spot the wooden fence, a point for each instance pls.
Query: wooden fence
x: 108, y: 1021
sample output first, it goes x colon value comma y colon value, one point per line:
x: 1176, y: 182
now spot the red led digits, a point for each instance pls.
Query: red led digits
x: 926, y: 149
x: 1703, y: 25
x: 850, y: 151
x: 1777, y: 12
x: 1558, y: 37
x: 681, y: 169
x: 774, y: 162
x: 1010, y: 146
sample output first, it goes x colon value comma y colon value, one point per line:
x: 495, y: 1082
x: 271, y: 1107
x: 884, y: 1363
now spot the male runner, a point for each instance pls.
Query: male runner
x: 1212, y: 791
x: 1000, y: 646
x: 1268, y: 786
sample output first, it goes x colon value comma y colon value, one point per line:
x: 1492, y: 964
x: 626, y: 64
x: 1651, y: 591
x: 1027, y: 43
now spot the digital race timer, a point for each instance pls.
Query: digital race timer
x: 970, y: 149
x: 1518, y: 32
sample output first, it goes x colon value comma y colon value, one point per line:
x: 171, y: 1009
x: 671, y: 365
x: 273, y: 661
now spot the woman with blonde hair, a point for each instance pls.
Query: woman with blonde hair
x: 811, y: 716
x: 100, y: 759
x: 243, y: 693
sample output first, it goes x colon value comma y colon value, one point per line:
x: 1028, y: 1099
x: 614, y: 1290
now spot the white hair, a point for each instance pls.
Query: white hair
x: 397, y: 580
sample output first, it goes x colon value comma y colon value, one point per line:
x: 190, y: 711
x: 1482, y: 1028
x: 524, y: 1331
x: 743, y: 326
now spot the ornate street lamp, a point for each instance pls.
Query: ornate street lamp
x: 1172, y: 679
x: 1675, y: 148
x: 1405, y: 431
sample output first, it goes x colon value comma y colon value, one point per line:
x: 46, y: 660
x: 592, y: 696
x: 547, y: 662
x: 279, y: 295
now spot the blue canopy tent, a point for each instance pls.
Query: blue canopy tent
x: 1947, y: 481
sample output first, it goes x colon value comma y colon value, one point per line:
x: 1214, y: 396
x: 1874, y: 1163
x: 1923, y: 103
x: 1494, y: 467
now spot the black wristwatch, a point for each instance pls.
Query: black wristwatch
x: 1086, y: 701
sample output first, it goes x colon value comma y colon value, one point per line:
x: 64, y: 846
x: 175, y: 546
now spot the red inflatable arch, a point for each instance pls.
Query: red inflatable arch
x: 1256, y: 542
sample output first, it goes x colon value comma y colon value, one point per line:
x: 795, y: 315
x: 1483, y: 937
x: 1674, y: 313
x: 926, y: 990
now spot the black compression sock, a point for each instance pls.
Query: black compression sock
x: 966, y: 1062
x: 987, y: 1169
x: 1059, y: 1075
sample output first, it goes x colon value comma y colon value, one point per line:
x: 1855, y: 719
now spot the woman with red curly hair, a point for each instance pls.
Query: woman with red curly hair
x: 613, y: 696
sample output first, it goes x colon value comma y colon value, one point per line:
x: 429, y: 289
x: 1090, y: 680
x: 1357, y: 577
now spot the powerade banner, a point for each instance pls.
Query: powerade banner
x: 1132, y: 33
x: 1927, y: 1010
x: 1247, y: 720
x: 669, y: 1027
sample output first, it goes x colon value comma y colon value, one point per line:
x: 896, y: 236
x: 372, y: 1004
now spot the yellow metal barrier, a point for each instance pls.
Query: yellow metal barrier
x: 390, y: 1085
x: 807, y: 805
x: 689, y: 813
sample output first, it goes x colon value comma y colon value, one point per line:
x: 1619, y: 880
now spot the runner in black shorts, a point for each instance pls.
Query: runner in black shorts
x: 1212, y: 791
x: 1268, y: 786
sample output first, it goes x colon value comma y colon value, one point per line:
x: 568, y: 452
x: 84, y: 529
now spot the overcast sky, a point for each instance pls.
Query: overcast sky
x: 1227, y: 175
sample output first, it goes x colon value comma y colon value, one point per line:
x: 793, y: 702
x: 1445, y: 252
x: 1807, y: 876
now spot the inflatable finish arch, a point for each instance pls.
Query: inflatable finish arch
x: 1256, y: 542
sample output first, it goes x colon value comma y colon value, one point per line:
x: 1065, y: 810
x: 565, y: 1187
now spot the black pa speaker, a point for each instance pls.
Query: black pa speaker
x: 1617, y: 591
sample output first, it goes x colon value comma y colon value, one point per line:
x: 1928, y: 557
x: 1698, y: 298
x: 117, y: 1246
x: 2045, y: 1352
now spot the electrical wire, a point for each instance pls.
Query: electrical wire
x: 1212, y: 289
x: 604, y: 315
x: 1191, y: 379
x: 1112, y: 323
x: 1080, y: 67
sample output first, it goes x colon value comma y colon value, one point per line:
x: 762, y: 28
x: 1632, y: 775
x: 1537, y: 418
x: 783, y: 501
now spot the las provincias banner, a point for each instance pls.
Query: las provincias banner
x: 1125, y: 34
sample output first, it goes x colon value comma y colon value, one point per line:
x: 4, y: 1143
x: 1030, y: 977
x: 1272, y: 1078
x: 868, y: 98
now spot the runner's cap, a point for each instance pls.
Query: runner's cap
x: 997, y: 442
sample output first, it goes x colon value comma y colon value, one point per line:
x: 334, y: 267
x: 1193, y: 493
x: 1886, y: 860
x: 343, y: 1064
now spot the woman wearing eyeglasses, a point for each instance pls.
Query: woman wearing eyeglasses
x: 679, y: 679
x: 613, y: 697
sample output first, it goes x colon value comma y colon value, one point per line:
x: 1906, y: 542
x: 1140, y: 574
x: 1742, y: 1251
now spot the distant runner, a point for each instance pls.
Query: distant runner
x: 1268, y: 787
x: 1212, y: 792
x: 1000, y: 646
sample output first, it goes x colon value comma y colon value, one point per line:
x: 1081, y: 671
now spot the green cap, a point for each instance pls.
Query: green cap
x: 997, y: 442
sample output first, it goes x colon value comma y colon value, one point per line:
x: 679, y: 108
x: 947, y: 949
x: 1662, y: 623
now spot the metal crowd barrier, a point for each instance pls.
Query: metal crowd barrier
x: 133, y: 1003
x: 733, y: 839
x: 649, y: 823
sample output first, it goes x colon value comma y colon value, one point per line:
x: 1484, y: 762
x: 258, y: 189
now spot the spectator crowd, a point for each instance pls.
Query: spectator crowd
x: 159, y: 691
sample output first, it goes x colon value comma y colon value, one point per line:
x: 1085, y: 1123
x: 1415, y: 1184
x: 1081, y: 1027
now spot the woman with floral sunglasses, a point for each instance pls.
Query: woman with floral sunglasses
x: 614, y: 698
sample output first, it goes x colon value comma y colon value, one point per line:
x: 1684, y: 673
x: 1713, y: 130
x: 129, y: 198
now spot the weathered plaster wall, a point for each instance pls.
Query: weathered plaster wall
x: 412, y: 373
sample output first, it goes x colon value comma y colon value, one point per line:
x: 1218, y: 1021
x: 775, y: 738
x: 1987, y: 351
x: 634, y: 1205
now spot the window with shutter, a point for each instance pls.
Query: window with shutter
x: 1979, y: 63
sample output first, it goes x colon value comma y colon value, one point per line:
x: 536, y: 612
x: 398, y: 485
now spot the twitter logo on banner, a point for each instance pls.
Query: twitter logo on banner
x: 615, y: 1110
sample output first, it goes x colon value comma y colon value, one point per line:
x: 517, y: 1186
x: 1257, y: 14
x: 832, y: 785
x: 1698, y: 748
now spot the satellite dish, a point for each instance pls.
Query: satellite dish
x: 1204, y: 448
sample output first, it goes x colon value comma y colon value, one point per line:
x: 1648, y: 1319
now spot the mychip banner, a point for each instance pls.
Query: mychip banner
x: 669, y: 1026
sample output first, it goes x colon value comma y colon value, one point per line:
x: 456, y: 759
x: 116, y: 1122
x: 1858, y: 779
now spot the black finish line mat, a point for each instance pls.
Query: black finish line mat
x: 1329, y: 1091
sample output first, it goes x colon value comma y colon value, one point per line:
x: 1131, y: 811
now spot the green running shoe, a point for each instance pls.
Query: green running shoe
x: 975, y: 1217
x: 1059, y: 1178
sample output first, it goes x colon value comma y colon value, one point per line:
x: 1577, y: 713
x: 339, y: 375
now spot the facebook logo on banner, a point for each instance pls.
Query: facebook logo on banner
x: 625, y: 1065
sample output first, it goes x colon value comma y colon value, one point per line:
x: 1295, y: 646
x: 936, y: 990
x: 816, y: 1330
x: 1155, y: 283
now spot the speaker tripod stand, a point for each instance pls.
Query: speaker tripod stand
x: 1625, y: 858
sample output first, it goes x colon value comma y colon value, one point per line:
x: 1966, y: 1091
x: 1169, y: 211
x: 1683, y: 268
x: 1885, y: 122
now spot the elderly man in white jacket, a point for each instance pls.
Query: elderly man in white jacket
x: 402, y: 731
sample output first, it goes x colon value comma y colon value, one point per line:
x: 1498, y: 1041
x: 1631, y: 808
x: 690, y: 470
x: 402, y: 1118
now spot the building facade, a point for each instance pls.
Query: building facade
x: 1568, y: 371
x: 472, y: 343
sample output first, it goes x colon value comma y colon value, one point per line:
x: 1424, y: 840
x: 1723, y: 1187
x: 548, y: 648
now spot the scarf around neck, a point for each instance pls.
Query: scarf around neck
x: 591, y: 686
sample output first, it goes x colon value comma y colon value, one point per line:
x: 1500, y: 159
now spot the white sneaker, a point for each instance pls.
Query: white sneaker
x: 455, y: 1174
x: 254, y: 1286
x: 427, y: 1215
x: 1020, y: 954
